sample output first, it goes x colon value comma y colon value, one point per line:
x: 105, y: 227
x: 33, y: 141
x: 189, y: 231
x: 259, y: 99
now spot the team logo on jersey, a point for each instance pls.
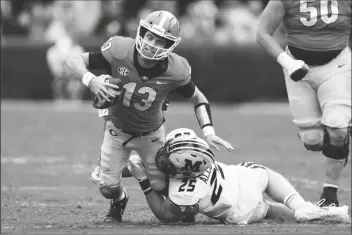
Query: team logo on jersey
x: 113, y: 133
x: 183, y: 208
x: 144, y: 78
x: 123, y: 71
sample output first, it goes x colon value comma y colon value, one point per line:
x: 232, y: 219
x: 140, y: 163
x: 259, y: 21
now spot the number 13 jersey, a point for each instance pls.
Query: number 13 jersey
x: 139, y: 106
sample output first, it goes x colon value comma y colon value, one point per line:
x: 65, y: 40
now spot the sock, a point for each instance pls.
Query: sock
x: 333, y: 171
x: 330, y: 188
x: 294, y: 201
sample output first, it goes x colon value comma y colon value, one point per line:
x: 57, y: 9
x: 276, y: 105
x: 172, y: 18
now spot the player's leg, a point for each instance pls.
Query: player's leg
x: 147, y: 148
x: 306, y: 113
x: 58, y: 89
x: 282, y: 191
x: 334, y: 96
x: 113, y: 159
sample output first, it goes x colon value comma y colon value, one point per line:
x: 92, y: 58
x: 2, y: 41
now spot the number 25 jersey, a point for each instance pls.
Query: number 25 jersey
x: 214, y: 194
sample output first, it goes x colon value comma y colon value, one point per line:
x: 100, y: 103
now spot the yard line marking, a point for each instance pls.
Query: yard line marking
x: 256, y: 108
x: 32, y: 159
x: 62, y: 204
x: 55, y: 188
x: 137, y: 225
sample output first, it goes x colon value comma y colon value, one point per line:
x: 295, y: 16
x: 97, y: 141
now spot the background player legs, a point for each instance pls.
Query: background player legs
x: 334, y: 96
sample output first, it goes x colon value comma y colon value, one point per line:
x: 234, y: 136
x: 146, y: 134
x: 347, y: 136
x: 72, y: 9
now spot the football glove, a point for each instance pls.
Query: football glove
x: 296, y: 69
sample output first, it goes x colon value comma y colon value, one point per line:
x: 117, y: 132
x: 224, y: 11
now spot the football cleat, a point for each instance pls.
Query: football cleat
x: 117, y: 208
x: 312, y: 212
x: 328, y: 199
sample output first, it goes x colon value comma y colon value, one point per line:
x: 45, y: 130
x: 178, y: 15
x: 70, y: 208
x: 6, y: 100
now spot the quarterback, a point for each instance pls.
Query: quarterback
x: 146, y: 70
x: 317, y: 70
x: 228, y: 193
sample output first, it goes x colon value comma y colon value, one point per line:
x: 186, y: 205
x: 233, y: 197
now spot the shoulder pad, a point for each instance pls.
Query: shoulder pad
x: 117, y: 47
x: 180, y: 69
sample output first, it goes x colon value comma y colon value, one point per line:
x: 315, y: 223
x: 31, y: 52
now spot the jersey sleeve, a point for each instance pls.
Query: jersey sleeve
x: 115, y: 48
x: 184, y: 72
x: 186, y: 193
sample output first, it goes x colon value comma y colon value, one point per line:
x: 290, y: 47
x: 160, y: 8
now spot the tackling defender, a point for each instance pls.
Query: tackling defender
x: 317, y: 69
x: 228, y: 193
x: 148, y: 71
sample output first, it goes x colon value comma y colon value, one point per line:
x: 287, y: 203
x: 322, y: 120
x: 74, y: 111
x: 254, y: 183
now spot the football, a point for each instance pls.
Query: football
x: 103, y: 104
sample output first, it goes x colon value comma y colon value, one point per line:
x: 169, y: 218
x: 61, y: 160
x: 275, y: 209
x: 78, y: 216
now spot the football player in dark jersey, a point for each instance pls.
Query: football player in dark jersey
x: 148, y: 71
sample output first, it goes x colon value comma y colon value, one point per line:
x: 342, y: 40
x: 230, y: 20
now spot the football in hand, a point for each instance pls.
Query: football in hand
x: 103, y: 104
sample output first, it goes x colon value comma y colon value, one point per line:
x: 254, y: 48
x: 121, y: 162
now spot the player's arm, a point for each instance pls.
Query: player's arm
x: 203, y: 114
x: 159, y: 205
x: 79, y: 67
x: 269, y: 22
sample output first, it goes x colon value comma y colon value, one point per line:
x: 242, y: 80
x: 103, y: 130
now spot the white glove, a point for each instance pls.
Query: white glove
x: 95, y: 177
x: 137, y: 169
x: 296, y: 69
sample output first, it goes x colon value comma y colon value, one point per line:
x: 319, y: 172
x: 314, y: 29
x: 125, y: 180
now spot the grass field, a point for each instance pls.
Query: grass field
x: 48, y: 153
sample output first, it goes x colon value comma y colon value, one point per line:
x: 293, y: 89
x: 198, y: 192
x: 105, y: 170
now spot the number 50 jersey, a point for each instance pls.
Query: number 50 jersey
x: 231, y: 194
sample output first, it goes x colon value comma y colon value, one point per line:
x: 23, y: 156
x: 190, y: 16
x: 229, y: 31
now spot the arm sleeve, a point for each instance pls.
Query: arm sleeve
x: 187, y: 90
x: 98, y: 61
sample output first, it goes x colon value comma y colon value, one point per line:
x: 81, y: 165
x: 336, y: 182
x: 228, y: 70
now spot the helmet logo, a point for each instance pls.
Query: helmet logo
x: 158, y: 29
x: 190, y: 167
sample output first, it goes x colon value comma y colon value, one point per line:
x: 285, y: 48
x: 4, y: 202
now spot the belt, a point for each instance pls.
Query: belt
x: 137, y: 134
x: 314, y: 58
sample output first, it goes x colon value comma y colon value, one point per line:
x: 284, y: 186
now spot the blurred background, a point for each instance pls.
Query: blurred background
x: 218, y: 39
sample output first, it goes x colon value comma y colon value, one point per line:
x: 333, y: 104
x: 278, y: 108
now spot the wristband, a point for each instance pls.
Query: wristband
x: 284, y: 60
x: 87, y: 77
x: 208, y: 130
x: 145, y: 185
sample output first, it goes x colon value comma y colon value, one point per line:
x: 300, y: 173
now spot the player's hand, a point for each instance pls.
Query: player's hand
x: 103, y: 90
x: 95, y: 178
x: 137, y: 169
x: 298, y: 70
x: 214, y: 141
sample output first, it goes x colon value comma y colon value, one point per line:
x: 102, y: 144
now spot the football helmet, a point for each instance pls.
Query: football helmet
x: 163, y: 24
x: 180, y: 132
x: 184, y: 156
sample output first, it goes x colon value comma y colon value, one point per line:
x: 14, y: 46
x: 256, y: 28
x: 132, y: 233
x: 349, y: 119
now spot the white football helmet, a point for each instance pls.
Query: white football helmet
x: 185, y: 156
x: 163, y: 24
x: 180, y: 132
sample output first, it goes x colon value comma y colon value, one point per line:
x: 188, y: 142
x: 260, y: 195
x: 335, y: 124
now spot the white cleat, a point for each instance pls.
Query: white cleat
x: 312, y: 212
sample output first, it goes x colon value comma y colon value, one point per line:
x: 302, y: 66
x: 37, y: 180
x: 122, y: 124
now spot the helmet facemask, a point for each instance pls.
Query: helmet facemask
x: 184, y: 157
x: 158, y: 53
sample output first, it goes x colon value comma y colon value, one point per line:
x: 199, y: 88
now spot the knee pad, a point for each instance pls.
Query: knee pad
x: 312, y: 139
x: 335, y: 152
x: 111, y: 192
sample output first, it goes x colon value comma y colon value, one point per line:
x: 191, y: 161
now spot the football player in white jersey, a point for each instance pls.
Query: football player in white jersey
x: 228, y: 193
